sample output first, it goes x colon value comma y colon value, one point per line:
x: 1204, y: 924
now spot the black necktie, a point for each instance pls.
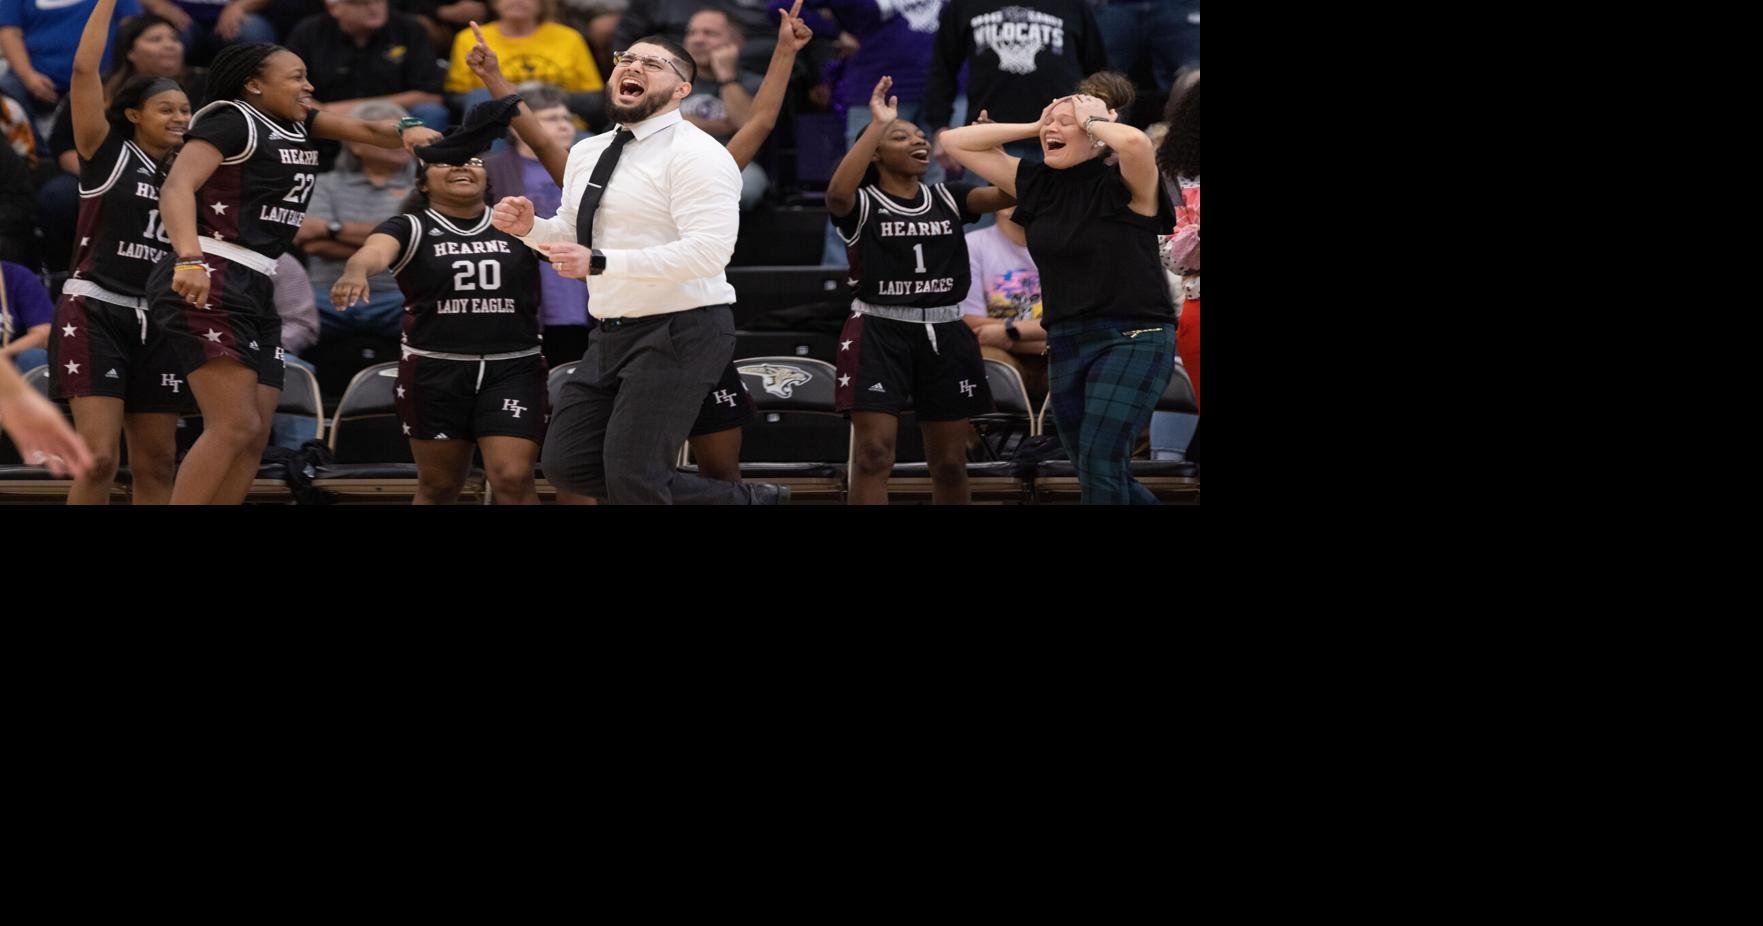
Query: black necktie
x: 584, y: 216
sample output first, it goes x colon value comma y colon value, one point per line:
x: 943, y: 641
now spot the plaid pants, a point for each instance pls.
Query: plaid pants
x: 1105, y: 378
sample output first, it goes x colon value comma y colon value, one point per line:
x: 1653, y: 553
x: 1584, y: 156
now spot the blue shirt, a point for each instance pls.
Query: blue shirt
x: 51, y: 35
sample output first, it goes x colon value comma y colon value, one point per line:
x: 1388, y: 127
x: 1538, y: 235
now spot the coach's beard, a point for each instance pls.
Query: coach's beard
x: 646, y: 107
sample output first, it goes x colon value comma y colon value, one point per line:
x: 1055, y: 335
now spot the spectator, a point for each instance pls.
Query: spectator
x: 286, y: 14
x: 25, y: 314
x: 208, y: 25
x: 531, y: 47
x: 517, y: 171
x: 368, y: 187
x: 149, y: 44
x: 1178, y: 163
x: 1004, y: 306
x: 891, y: 37
x: 444, y: 19
x: 18, y: 129
x: 596, y: 20
x: 671, y: 18
x: 18, y: 210
x: 877, y: 37
x: 39, y: 43
x: 722, y: 97
x: 1165, y: 31
x: 1185, y: 79
x: 1020, y: 54
x: 294, y: 303
x: 358, y: 51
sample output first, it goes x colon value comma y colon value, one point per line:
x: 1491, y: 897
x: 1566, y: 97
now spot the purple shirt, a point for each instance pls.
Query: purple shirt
x: 561, y: 301
x: 894, y: 37
x: 27, y: 302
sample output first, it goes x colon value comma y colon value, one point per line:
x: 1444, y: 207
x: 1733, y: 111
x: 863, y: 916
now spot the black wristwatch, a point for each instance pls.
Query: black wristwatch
x: 334, y: 229
x: 1011, y: 332
x: 596, y: 263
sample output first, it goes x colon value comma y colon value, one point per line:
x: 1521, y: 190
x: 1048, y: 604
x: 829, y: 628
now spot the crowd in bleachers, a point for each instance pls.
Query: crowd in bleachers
x: 952, y: 63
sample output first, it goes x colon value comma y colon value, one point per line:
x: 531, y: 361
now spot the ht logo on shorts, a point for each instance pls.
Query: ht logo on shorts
x: 513, y: 405
x: 724, y: 395
x: 966, y: 388
x: 169, y: 379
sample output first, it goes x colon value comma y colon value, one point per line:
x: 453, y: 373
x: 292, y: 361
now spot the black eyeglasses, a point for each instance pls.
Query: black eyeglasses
x: 649, y: 63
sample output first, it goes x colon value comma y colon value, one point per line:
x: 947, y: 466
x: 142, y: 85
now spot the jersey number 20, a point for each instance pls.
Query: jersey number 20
x: 487, y: 272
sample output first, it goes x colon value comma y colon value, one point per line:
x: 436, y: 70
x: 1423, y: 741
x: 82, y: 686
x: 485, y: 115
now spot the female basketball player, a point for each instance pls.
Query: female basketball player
x: 232, y: 202
x: 905, y: 337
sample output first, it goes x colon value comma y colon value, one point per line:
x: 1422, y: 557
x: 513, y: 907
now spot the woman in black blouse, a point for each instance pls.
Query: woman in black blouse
x: 1092, y: 231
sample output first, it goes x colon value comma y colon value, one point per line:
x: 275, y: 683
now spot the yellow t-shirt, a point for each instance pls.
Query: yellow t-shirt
x: 555, y: 54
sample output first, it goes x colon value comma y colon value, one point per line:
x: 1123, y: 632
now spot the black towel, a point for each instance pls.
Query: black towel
x: 483, y: 125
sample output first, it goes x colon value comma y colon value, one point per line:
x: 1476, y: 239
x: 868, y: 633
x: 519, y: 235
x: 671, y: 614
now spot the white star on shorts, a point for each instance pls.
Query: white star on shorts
x: 844, y: 345
x: 67, y: 331
x: 844, y: 380
x: 72, y: 367
x: 400, y: 392
x: 219, y: 208
x: 213, y: 335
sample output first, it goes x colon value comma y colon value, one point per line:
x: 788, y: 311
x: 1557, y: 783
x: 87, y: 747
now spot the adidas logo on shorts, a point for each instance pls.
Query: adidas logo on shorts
x: 877, y: 388
x: 112, y: 374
